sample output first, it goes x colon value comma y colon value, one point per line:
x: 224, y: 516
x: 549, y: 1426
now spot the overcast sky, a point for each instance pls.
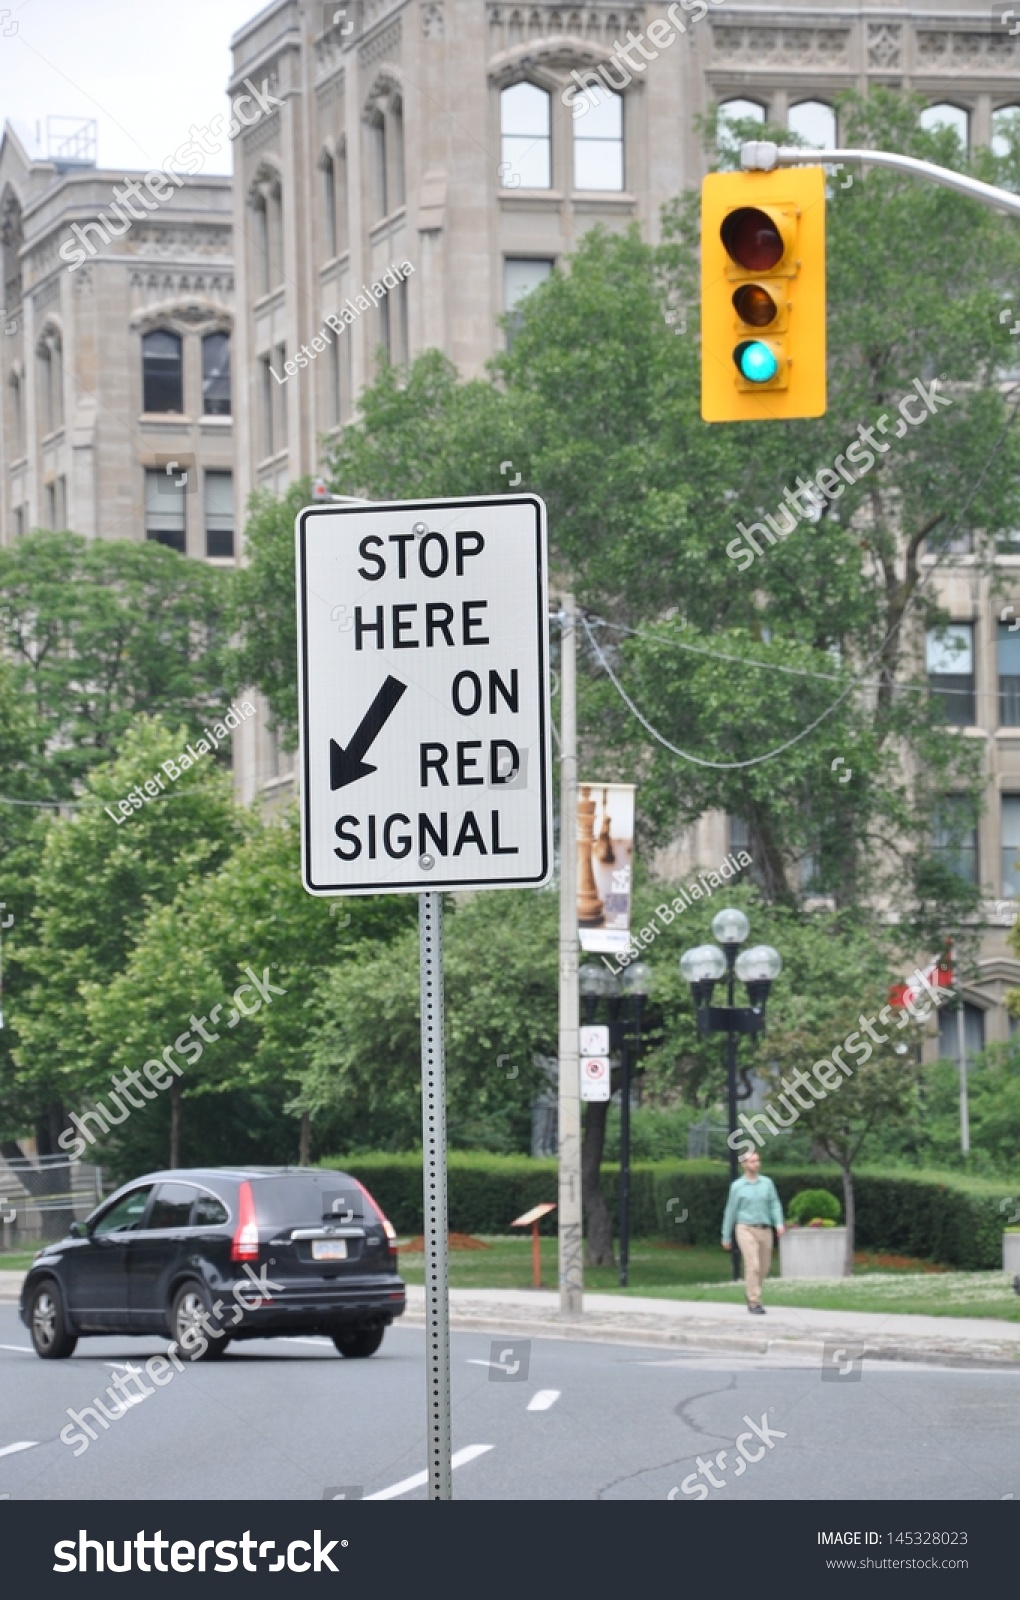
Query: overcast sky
x: 145, y: 69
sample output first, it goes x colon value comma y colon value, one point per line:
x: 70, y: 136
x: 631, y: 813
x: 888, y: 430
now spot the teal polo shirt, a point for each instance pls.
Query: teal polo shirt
x: 756, y: 1204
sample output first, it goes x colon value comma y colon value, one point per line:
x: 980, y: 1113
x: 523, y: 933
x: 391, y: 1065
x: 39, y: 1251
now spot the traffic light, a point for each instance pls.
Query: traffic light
x: 763, y: 295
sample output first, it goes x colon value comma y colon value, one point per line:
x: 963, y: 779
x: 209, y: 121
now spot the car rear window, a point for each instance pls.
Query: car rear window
x: 294, y: 1202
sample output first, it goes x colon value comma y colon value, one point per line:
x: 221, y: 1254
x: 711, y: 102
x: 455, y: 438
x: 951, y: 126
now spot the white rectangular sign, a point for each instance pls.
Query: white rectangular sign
x: 594, y: 1039
x: 595, y: 1078
x: 424, y: 695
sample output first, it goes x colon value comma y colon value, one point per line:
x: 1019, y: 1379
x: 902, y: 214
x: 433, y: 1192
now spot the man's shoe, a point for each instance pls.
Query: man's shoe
x: 757, y: 1311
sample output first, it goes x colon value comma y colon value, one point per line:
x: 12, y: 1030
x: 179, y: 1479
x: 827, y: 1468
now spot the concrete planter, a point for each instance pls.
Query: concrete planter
x: 813, y: 1253
x: 1011, y: 1253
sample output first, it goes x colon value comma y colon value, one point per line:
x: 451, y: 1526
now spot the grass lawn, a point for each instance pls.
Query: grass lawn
x: 16, y: 1260
x: 880, y: 1283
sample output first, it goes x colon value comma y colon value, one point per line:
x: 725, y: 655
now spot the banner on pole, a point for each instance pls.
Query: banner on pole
x: 605, y: 855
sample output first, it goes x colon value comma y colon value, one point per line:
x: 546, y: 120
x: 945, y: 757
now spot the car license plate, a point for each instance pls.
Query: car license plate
x: 329, y: 1249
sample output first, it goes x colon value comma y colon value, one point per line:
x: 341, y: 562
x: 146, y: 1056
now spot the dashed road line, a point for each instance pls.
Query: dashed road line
x: 459, y: 1459
x: 544, y: 1399
x: 12, y: 1449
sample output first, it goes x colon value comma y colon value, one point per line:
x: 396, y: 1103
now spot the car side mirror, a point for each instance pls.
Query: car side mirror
x: 77, y: 1231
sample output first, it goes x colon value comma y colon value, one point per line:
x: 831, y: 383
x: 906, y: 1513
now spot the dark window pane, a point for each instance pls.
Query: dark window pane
x: 954, y: 840
x: 216, y: 375
x: 162, y: 379
x: 973, y: 1033
x: 172, y: 1206
x: 127, y: 1213
x: 209, y: 1212
x: 297, y: 1201
x: 956, y: 694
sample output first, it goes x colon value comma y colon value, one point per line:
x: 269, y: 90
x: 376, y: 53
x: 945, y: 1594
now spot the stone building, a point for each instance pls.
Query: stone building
x: 116, y: 414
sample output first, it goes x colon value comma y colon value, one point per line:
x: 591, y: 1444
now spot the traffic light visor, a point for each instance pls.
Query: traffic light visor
x: 753, y: 240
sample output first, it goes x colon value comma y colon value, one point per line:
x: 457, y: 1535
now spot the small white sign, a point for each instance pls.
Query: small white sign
x: 424, y: 695
x: 595, y: 1080
x: 594, y: 1040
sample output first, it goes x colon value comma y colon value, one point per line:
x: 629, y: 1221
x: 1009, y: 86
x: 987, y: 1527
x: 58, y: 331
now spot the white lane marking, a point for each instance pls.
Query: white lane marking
x: 12, y: 1449
x: 293, y: 1338
x: 544, y: 1399
x: 460, y: 1459
x: 26, y: 1349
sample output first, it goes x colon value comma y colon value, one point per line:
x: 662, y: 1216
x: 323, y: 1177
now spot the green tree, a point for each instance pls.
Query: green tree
x: 97, y: 880
x: 100, y: 631
x: 191, y: 953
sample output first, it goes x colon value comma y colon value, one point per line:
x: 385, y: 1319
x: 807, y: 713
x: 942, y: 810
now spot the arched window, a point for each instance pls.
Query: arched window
x: 1005, y: 118
x: 598, y: 144
x: 731, y: 111
x: 162, y: 371
x: 17, y: 415
x: 50, y: 370
x: 945, y: 115
x: 379, y: 163
x: 328, y: 181
x: 526, y: 144
x: 814, y: 122
x: 395, y: 113
x: 216, y: 375
x: 260, y: 241
x: 274, y: 224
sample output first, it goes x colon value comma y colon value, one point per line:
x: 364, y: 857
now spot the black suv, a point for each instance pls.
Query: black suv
x: 209, y: 1255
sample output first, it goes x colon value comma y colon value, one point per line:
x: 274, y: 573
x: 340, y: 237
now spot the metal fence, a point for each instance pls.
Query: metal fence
x: 40, y: 1196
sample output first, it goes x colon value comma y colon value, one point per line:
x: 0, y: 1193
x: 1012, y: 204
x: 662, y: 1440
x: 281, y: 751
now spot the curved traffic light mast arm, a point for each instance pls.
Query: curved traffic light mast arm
x: 763, y: 156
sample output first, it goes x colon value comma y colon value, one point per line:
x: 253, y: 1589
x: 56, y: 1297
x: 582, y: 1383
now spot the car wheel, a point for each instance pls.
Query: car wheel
x: 359, y: 1343
x: 194, y: 1324
x: 47, y: 1323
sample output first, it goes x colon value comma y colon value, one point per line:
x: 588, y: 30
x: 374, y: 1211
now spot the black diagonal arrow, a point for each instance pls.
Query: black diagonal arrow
x: 347, y: 766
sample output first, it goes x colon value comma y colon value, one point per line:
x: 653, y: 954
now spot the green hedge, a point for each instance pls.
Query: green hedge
x: 945, y: 1218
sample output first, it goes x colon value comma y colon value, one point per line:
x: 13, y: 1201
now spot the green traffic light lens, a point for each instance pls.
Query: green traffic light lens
x: 755, y: 361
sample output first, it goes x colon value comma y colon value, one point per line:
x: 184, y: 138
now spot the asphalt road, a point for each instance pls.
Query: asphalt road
x: 289, y: 1419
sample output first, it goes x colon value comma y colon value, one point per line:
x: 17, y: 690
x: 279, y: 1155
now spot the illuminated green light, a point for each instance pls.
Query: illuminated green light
x: 756, y: 361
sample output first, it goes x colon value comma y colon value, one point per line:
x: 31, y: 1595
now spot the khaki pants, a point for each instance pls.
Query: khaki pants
x: 755, y: 1246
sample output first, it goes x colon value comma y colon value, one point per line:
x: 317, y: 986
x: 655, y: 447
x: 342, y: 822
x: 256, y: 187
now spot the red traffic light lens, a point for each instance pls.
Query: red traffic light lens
x: 752, y: 239
x: 755, y: 306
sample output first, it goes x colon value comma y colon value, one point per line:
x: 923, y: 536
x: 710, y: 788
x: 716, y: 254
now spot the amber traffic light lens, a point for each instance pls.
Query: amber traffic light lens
x: 755, y: 306
x: 752, y: 239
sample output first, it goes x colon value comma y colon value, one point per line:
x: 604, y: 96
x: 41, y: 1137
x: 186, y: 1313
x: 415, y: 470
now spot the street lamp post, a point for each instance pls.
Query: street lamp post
x: 757, y: 969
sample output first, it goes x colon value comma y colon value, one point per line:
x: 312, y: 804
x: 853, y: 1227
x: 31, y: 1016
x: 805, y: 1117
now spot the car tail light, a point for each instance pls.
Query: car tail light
x: 387, y: 1227
x: 245, y: 1245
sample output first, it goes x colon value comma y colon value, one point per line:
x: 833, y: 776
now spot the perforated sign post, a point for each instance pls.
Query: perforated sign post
x: 423, y: 665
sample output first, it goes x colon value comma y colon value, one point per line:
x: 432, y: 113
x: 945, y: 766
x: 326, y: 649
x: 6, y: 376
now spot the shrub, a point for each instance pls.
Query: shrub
x: 931, y: 1215
x: 815, y: 1204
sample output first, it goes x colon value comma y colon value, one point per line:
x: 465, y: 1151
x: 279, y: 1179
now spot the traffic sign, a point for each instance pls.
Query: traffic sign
x: 594, y: 1039
x: 595, y: 1080
x: 424, y: 695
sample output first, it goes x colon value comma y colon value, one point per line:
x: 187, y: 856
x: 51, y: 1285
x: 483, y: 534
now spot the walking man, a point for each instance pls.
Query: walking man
x: 754, y: 1209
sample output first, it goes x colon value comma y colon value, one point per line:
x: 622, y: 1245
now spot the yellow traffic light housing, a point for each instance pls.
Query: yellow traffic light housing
x: 763, y: 295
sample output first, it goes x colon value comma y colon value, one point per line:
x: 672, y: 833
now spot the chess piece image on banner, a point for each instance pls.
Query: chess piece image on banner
x: 590, y: 910
x: 605, y: 852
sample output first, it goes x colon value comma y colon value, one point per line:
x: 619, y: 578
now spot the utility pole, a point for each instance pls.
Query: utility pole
x: 569, y: 1122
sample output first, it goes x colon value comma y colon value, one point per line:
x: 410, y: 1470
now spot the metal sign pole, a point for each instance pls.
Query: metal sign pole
x: 437, y: 1265
x: 569, y: 1123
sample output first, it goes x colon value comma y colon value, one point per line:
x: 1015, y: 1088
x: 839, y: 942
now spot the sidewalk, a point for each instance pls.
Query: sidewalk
x: 707, y: 1326
x: 715, y: 1326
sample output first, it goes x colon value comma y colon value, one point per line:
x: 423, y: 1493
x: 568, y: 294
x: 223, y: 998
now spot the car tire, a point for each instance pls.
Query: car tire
x: 359, y: 1343
x: 191, y: 1304
x: 47, y: 1323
